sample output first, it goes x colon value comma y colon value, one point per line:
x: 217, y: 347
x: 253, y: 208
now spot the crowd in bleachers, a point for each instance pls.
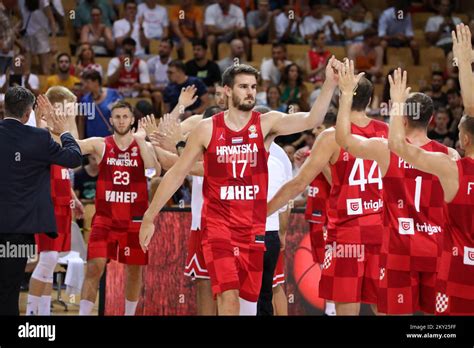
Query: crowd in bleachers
x: 147, y: 51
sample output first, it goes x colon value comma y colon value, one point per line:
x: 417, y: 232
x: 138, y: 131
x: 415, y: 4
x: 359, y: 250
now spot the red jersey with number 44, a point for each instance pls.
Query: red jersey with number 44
x: 60, y: 186
x: 457, y: 261
x: 414, y: 215
x: 355, y: 201
x: 121, y: 191
x: 235, y: 182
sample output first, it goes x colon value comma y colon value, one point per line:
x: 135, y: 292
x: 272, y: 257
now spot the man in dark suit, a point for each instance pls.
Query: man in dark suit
x: 26, y: 207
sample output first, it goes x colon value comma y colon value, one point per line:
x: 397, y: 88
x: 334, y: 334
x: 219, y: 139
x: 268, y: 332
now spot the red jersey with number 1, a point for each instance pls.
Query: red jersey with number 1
x: 235, y: 182
x: 414, y: 215
x: 355, y: 202
x: 121, y: 191
x: 456, y: 269
x: 60, y: 186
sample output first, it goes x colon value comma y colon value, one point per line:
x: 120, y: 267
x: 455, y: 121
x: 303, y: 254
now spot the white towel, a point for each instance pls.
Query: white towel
x: 74, y: 273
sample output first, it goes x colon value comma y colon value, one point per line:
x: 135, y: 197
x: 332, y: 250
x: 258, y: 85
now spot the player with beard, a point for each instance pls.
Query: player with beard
x: 235, y: 146
x: 121, y: 200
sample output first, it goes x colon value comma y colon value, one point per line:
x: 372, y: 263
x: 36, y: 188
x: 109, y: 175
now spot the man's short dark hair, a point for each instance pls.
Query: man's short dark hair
x: 330, y: 119
x: 370, y: 32
x: 169, y: 41
x: 122, y: 104
x: 200, y: 42
x: 232, y: 71
x: 362, y: 95
x: 211, y: 111
x: 17, y: 101
x: 95, y: 7
x: 419, y: 109
x: 279, y: 44
x: 454, y: 91
x: 437, y: 73
x: 92, y: 75
x: 178, y: 64
x: 128, y: 2
x: 128, y: 41
x: 63, y: 54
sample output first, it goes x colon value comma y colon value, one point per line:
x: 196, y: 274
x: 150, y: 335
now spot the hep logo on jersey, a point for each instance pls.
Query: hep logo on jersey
x: 406, y: 226
x: 468, y: 256
x: 354, y: 206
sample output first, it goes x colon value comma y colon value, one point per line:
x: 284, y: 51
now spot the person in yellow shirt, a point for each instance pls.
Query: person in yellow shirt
x: 63, y: 77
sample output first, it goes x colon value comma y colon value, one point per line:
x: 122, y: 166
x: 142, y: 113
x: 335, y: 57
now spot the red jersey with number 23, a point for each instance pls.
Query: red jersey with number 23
x: 355, y: 202
x: 121, y: 191
x: 235, y: 182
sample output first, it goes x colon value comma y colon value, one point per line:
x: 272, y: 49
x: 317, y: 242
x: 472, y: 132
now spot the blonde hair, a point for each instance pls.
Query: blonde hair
x: 60, y: 94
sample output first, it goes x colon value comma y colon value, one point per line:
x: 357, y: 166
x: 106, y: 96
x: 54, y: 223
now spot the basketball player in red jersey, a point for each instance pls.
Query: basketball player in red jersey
x: 455, y: 283
x: 121, y: 200
x: 413, y: 204
x: 235, y: 146
x: 41, y: 282
x: 350, y: 269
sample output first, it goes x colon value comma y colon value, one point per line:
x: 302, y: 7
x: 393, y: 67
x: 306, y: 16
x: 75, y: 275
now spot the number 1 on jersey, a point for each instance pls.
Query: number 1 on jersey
x: 362, y: 181
x: 418, y: 192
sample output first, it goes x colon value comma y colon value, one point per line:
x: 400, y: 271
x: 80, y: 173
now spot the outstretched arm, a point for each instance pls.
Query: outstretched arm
x: 462, y: 50
x: 321, y: 153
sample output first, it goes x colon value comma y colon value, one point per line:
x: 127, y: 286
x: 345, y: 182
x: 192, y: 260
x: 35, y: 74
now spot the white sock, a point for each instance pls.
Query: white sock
x: 85, y: 307
x: 130, y: 307
x: 44, y: 307
x: 32, y: 305
x: 330, y: 308
x: 247, y: 308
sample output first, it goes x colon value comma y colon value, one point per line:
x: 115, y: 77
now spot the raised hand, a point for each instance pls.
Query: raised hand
x: 332, y: 69
x: 172, y: 128
x: 399, y: 91
x: 462, y: 47
x: 347, y: 80
x: 149, y: 124
x: 140, y: 133
x: 188, y: 96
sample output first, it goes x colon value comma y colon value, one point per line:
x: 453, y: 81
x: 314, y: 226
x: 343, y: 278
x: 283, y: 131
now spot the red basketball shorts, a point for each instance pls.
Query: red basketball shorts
x: 195, y: 264
x: 406, y: 292
x: 317, y: 233
x: 350, y: 273
x: 122, y: 245
x: 279, y: 274
x: 234, y: 266
x: 62, y: 242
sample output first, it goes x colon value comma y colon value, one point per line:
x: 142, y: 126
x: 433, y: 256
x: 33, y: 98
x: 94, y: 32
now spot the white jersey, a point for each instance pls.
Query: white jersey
x: 279, y: 173
x: 196, y: 202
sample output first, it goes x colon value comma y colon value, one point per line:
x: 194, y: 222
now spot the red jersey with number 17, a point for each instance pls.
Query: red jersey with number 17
x: 414, y: 215
x: 355, y: 201
x: 235, y: 182
x: 121, y: 191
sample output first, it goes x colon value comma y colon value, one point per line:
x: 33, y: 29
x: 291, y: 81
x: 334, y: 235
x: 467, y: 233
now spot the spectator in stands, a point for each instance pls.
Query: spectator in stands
x: 223, y: 22
x: 318, y: 21
x: 7, y: 35
x: 346, y: 6
x: 440, y: 100
x: 97, y: 34
x: 236, y: 56
x: 438, y: 28
x: 396, y: 30
x: 155, y: 19
x: 286, y: 25
x: 63, y: 77
x: 219, y: 96
x: 187, y: 24
x: 455, y: 108
x: 86, y: 61
x: 274, y: 99
x: 98, y: 102
x: 441, y: 131
x: 207, y: 70
x: 292, y: 86
x: 19, y: 74
x: 85, y: 180
x: 368, y: 55
x: 258, y: 23
x: 354, y: 27
x: 317, y: 58
x: 131, y: 27
x: 179, y: 80
x: 83, y: 14
x: 128, y: 73
x: 271, y: 69
x: 38, y: 22
x: 158, y: 69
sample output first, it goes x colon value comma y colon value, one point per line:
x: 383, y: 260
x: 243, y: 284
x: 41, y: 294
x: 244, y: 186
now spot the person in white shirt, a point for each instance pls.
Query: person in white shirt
x: 19, y: 74
x: 438, y: 28
x: 158, y: 69
x: 354, y: 27
x: 271, y: 69
x: 287, y: 26
x: 237, y: 55
x: 223, y: 22
x: 317, y: 22
x: 155, y: 19
x: 131, y: 26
